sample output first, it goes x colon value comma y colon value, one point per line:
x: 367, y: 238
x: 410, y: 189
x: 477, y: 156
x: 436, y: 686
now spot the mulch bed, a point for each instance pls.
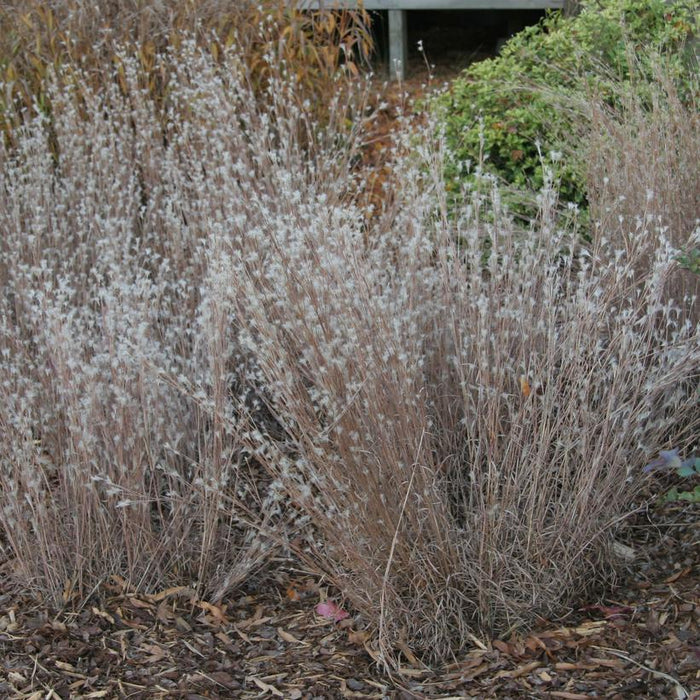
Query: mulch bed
x: 269, y: 641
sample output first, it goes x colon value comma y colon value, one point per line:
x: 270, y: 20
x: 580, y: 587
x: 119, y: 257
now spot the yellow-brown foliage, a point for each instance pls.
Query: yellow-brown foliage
x: 38, y: 37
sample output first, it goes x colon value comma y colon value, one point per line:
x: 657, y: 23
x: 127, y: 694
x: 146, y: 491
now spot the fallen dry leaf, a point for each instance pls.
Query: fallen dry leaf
x: 103, y: 614
x: 170, y: 592
x: 214, y: 610
x: 266, y: 687
x: 287, y: 637
x: 331, y: 611
x: 524, y: 670
x: 358, y: 637
x: 589, y: 628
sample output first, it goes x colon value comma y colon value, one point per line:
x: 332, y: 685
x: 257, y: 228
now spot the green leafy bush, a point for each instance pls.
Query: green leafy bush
x: 512, y: 111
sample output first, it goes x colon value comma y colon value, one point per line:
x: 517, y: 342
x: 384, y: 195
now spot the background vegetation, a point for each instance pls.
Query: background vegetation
x: 208, y: 351
x: 511, y: 112
x: 39, y: 39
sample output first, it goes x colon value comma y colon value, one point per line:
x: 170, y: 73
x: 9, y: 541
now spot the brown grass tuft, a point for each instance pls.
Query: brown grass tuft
x: 207, y: 351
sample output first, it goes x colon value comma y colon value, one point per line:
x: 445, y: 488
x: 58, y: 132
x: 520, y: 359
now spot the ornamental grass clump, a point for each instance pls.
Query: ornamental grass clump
x: 464, y: 431
x: 465, y: 438
x: 271, y: 36
x: 117, y: 357
x: 123, y: 454
x: 207, y: 350
x: 106, y: 468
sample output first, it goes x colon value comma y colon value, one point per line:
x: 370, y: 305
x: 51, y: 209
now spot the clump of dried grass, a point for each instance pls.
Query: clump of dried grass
x: 458, y: 426
x: 272, y: 36
x: 122, y: 451
x: 465, y: 426
x: 640, y: 152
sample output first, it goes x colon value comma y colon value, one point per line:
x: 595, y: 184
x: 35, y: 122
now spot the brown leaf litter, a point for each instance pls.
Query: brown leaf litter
x: 269, y: 643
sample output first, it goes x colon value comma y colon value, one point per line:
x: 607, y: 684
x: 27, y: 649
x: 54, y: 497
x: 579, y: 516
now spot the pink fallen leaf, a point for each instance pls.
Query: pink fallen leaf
x: 331, y: 611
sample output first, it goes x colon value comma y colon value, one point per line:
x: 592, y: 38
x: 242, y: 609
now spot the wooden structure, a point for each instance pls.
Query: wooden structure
x: 397, y: 9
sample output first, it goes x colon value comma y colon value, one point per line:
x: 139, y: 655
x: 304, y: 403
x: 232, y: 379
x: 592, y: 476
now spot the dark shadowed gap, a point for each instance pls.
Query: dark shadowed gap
x: 452, y: 39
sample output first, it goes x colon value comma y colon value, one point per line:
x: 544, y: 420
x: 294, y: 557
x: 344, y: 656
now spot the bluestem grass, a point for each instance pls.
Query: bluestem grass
x: 451, y: 428
x: 641, y: 168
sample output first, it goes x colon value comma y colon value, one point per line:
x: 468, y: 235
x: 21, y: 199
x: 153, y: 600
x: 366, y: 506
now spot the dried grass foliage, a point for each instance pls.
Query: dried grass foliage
x: 207, y: 351
x: 646, y: 147
x: 39, y: 38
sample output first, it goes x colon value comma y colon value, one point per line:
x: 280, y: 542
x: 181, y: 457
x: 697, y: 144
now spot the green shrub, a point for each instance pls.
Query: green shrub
x: 512, y: 111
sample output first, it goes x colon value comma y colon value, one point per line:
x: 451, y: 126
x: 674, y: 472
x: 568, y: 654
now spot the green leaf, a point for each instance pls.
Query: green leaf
x: 671, y: 496
x: 691, y: 496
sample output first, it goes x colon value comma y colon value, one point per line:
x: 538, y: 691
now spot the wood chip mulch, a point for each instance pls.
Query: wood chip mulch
x: 269, y: 642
